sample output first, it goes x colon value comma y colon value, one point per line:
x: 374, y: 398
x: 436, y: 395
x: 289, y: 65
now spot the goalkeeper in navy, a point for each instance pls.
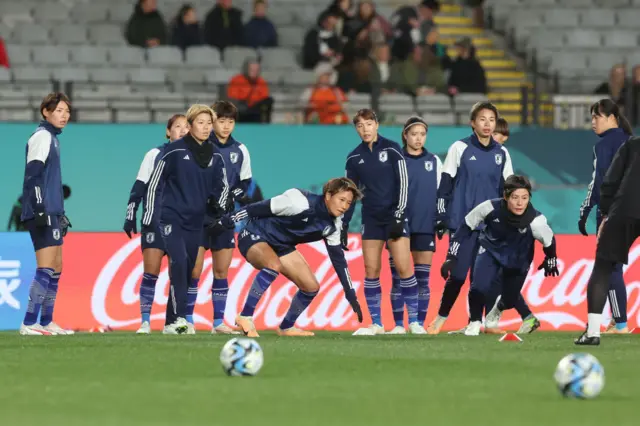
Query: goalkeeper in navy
x: 188, y: 185
x: 269, y: 239
x: 506, y: 248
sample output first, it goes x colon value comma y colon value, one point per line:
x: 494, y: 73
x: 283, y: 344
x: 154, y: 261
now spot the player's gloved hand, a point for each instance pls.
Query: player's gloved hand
x: 65, y: 224
x: 41, y: 219
x: 396, y: 229
x: 448, y: 266
x: 130, y: 227
x: 550, y: 265
x: 582, y: 225
x: 351, y: 297
x: 215, y: 227
x: 344, y: 239
x: 440, y: 228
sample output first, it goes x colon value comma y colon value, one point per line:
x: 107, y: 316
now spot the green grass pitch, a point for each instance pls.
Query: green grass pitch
x: 122, y: 379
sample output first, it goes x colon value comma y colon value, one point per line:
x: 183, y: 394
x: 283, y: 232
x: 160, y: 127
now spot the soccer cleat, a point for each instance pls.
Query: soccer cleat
x: 372, y: 330
x: 436, y: 325
x: 33, y: 330
x: 529, y: 325
x: 224, y: 329
x: 473, y: 328
x: 398, y: 329
x: 416, y: 328
x: 145, y: 328
x: 247, y: 326
x: 492, y: 320
x: 180, y: 326
x: 56, y: 330
x: 294, y: 332
x: 191, y: 329
x: 585, y: 340
x: 611, y: 326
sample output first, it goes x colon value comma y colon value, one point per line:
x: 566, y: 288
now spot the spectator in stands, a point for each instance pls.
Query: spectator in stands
x: 411, y: 26
x: 615, y: 87
x: 343, y: 11
x: 186, y: 28
x: 324, y: 102
x: 418, y: 75
x: 321, y: 44
x: 146, y: 26
x: 366, y: 30
x: 223, y: 26
x: 467, y: 74
x: 250, y: 94
x: 260, y: 31
x: 437, y: 49
x: 477, y: 10
x: 380, y: 70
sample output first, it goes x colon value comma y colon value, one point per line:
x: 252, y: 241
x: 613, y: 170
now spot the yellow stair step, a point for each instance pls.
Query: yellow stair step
x: 460, y: 31
x: 450, y: 8
x: 497, y: 63
x: 452, y: 20
x: 477, y: 41
x: 506, y: 75
x: 511, y: 118
x: 512, y: 107
x: 512, y: 96
x: 506, y: 84
x: 480, y: 53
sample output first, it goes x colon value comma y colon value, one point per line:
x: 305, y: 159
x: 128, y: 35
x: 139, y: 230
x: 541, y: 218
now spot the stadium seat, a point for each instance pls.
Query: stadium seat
x: 69, y: 34
x: 76, y: 75
x: 436, y: 103
x: 90, y: 55
x: 594, y: 18
x: 628, y: 18
x: 600, y: 62
x: 19, y: 54
x: 301, y: 78
x: 291, y: 36
x: 51, y: 12
x: 202, y: 56
x: 31, y: 74
x: 561, y: 18
x: 109, y: 75
x: 31, y: 34
x: 569, y: 63
x: 278, y: 58
x: 15, y: 9
x: 126, y: 56
x: 169, y: 56
x: 153, y: 77
x: 86, y: 13
x: 17, y: 115
x: 584, y: 38
x: 282, y: 17
x: 120, y: 15
x: 106, y: 34
x: 235, y: 57
x: 101, y: 115
x: 5, y: 79
x: 50, y: 55
x: 397, y: 103
x: 133, y: 115
x: 220, y: 76
x: 547, y: 38
x: 621, y: 38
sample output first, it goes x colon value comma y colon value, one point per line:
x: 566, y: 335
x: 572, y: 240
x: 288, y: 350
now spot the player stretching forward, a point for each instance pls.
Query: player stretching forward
x: 188, y: 182
x: 378, y: 165
x: 424, y: 170
x: 614, y: 130
x: 506, y: 248
x: 268, y: 242
x: 238, y: 166
x: 473, y: 172
x: 43, y: 214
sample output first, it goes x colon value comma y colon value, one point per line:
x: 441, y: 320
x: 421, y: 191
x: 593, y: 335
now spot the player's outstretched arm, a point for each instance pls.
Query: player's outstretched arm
x: 543, y: 233
x: 336, y: 255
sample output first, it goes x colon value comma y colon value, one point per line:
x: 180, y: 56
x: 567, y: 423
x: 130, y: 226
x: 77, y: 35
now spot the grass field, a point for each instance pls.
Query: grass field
x: 332, y: 379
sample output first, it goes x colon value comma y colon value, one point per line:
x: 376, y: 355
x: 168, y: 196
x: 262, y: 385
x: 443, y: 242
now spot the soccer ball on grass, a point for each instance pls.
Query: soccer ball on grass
x: 241, y: 356
x: 579, y: 376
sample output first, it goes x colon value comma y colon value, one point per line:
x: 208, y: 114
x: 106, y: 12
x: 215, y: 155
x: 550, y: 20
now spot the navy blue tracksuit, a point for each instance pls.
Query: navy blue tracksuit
x: 381, y: 173
x: 603, y: 153
x: 181, y: 189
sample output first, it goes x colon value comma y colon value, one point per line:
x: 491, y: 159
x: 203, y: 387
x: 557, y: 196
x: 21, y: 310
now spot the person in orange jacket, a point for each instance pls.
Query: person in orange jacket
x: 325, y: 101
x: 250, y: 93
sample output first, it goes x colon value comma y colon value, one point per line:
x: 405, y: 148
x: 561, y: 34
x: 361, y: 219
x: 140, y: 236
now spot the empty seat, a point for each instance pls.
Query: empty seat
x: 31, y: 74
x: 284, y: 16
x: 273, y: 76
x: 235, y: 57
x: 54, y: 12
x: 628, y: 18
x: 148, y: 76
x: 621, y: 38
x: 89, y: 55
x: 50, y: 55
x: 15, y: 8
x: 19, y: 54
x: 69, y: 34
x: 584, y: 38
x: 109, y: 75
x: 602, y: 61
x: 93, y: 115
x: 134, y: 115
x: 204, y: 56
x: 31, y: 34
x: 121, y: 14
x: 396, y: 103
x: 291, y: 36
x: 301, y: 78
x: 107, y: 34
x: 77, y: 75
x: 90, y: 12
x: 17, y: 115
x: 547, y: 38
x: 220, y: 76
x: 126, y: 55
x: 165, y: 55
x: 598, y: 18
x: 569, y: 63
x: 278, y: 58
x: 561, y: 18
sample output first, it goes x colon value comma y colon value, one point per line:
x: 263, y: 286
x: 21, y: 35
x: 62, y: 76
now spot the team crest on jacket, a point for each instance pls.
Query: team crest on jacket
x: 167, y: 230
x: 150, y: 237
x: 233, y: 157
x: 56, y: 234
x: 382, y: 156
x: 326, y: 231
x: 498, y: 159
x: 428, y: 165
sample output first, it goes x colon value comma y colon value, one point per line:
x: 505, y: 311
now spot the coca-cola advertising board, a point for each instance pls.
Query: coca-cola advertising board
x: 102, y: 272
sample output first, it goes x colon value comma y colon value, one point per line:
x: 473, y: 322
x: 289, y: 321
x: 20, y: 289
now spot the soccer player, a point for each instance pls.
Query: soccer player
x: 511, y: 225
x: 238, y: 166
x: 614, y: 130
x: 378, y: 166
x: 620, y: 208
x: 424, y: 171
x: 188, y: 184
x: 473, y: 172
x: 269, y: 239
x: 501, y: 132
x: 43, y: 214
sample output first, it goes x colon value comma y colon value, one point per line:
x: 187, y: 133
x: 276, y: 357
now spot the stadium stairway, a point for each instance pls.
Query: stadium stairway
x: 504, y: 76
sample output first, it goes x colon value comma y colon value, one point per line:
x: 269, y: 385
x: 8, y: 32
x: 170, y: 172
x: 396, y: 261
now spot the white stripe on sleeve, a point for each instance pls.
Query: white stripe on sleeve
x: 334, y: 238
x: 151, y: 192
x: 245, y: 168
x: 289, y: 203
x: 478, y: 214
x: 508, y: 166
x: 454, y: 156
x: 146, y: 167
x: 39, y: 146
x: 587, y: 200
x: 439, y: 174
x: 541, y: 230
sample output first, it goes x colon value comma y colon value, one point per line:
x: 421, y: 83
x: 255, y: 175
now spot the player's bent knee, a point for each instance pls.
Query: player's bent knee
x: 309, y: 286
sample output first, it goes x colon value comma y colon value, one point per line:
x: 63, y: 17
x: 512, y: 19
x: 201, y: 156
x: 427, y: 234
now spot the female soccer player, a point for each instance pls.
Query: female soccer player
x: 473, y: 172
x: 378, y: 165
x: 614, y: 130
x: 511, y: 225
x: 238, y: 167
x: 43, y: 214
x: 501, y: 132
x: 188, y: 183
x: 424, y: 170
x: 269, y: 239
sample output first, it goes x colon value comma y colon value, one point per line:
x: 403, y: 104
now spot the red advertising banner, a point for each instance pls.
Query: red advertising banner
x: 102, y: 273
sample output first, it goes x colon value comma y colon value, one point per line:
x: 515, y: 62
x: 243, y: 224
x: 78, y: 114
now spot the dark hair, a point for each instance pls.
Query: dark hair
x: 257, y: 2
x: 607, y: 107
x: 172, y: 120
x: 479, y: 106
x: 514, y: 182
x: 183, y: 11
x: 225, y: 109
x: 335, y: 185
x: 502, y: 126
x: 412, y: 121
x: 365, y: 114
x: 51, y: 101
x: 66, y: 191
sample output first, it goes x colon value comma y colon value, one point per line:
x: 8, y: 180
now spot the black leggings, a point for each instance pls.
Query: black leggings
x: 598, y: 285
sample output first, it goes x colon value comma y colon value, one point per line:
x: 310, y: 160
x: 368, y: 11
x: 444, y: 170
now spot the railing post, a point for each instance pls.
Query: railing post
x: 524, y: 107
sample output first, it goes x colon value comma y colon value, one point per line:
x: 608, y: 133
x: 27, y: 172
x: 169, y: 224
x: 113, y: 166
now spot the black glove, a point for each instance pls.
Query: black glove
x: 396, y: 229
x: 344, y: 239
x: 41, y: 219
x: 582, y: 226
x: 350, y: 295
x: 440, y: 228
x: 130, y: 227
x: 448, y: 266
x: 216, y: 227
x: 550, y: 265
x: 64, y: 225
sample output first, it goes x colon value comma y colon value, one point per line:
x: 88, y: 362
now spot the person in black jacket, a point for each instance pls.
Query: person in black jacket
x: 467, y: 74
x: 186, y: 28
x: 322, y: 43
x: 146, y: 27
x: 620, y: 208
x: 223, y: 26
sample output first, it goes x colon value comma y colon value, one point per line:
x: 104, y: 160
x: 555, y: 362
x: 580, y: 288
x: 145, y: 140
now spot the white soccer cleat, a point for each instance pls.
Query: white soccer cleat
x: 372, y: 330
x: 416, y: 328
x: 191, y: 329
x: 493, y: 317
x: 33, y: 330
x: 180, y: 326
x: 145, y: 328
x: 223, y: 329
x: 56, y: 330
x: 398, y: 329
x: 436, y: 325
x: 473, y: 328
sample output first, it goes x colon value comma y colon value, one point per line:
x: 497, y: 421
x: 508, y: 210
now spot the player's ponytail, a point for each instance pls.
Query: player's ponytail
x: 607, y: 107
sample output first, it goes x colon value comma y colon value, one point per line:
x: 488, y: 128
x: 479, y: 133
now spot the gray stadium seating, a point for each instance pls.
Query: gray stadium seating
x: 202, y: 56
x: 69, y: 34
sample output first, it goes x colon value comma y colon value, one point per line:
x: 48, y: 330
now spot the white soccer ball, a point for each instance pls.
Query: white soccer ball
x: 241, y: 357
x: 580, y: 376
